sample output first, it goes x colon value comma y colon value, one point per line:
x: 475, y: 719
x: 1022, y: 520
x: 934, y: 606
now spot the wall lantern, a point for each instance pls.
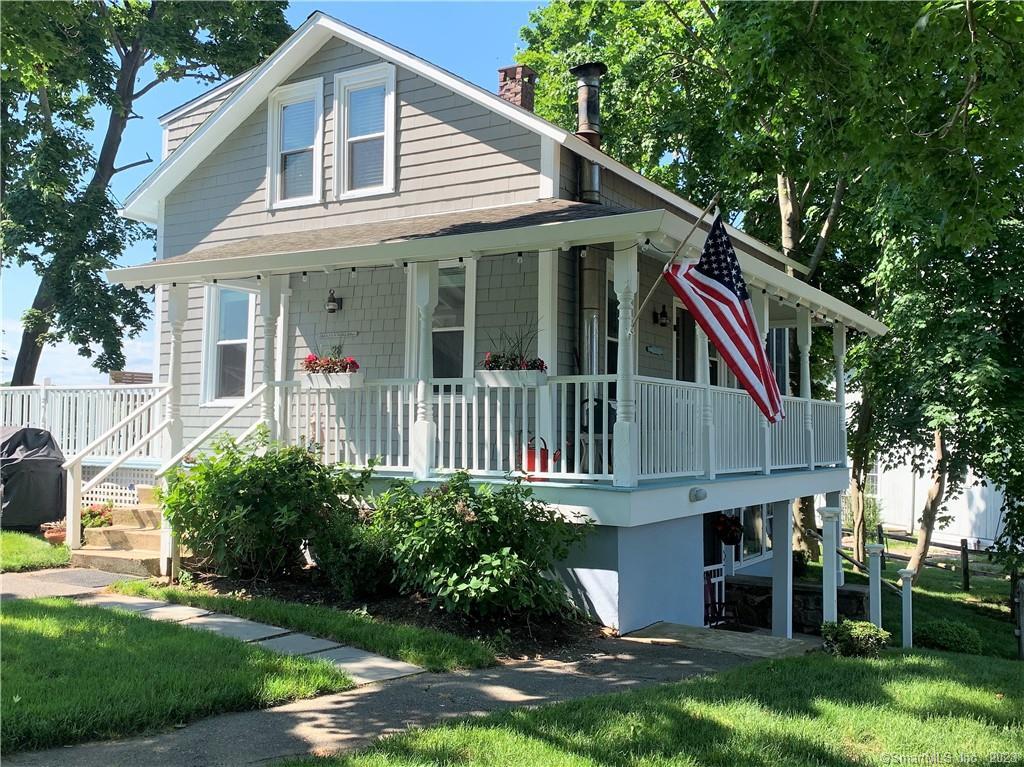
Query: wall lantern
x: 333, y: 302
x: 661, y: 318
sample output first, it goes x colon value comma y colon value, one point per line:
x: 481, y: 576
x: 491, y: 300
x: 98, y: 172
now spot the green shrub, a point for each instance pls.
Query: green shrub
x: 248, y: 509
x: 948, y: 635
x: 482, y: 551
x: 854, y: 638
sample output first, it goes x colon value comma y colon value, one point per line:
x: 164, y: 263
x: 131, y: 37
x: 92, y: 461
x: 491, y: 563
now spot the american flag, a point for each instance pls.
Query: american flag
x: 714, y: 292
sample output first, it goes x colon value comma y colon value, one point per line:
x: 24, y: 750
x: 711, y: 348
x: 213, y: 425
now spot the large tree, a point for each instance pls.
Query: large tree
x: 876, y: 144
x: 64, y: 63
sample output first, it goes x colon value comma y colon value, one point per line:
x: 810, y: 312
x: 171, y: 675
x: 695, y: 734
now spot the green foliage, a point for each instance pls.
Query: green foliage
x: 484, y: 552
x: 98, y: 515
x: 72, y: 70
x: 872, y: 513
x: 859, y: 639
x: 249, y: 508
x: 948, y: 635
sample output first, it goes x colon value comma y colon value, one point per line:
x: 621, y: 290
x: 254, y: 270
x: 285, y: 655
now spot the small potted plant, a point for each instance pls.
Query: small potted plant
x: 98, y: 515
x: 728, y: 528
x: 511, y: 365
x: 332, y: 371
x: 54, y: 532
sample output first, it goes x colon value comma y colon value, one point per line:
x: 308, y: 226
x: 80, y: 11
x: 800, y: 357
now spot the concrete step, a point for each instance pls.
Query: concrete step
x: 142, y: 562
x: 123, y: 537
x: 146, y: 495
x: 147, y: 516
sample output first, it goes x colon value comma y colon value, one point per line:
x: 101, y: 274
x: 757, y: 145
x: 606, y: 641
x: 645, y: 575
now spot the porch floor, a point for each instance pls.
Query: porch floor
x: 756, y: 644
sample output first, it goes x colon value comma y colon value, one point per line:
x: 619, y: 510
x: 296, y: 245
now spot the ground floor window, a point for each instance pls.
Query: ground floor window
x: 227, y: 363
x: 756, y: 542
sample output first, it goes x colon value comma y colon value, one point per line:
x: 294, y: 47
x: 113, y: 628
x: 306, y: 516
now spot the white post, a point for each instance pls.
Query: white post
x: 177, y: 310
x: 782, y: 570
x: 875, y: 582
x: 625, y: 439
x: 73, y: 507
x: 839, y: 355
x: 547, y: 345
x: 44, y: 406
x: 907, y: 578
x: 803, y: 342
x: 282, y: 364
x: 270, y: 312
x: 424, y: 430
x: 728, y: 560
x: 829, y: 587
x: 707, y: 410
x: 760, y: 303
x: 834, y: 500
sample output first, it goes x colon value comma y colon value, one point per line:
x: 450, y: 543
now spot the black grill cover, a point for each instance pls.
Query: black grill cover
x: 32, y: 483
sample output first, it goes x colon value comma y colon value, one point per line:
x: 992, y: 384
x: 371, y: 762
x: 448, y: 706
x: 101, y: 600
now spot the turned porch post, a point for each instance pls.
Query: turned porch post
x: 803, y: 341
x: 625, y: 440
x: 177, y: 311
x: 547, y: 345
x: 270, y: 313
x: 760, y: 305
x: 703, y: 363
x: 839, y: 355
x: 424, y: 430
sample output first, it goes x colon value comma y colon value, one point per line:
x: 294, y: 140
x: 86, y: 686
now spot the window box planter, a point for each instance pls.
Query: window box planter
x: 504, y: 379
x: 322, y: 381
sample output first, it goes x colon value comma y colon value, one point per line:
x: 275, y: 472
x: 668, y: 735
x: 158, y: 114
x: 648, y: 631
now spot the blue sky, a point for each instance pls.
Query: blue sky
x: 471, y: 39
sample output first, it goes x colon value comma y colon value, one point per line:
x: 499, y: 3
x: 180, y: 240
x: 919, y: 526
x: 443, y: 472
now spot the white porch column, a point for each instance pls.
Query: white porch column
x: 424, y: 430
x: 281, y: 364
x: 703, y: 372
x: 760, y: 304
x: 803, y: 342
x: 270, y: 313
x: 875, y: 582
x: 547, y: 344
x: 829, y: 588
x: 834, y: 500
x: 839, y: 355
x: 626, y: 444
x: 782, y: 569
x: 177, y: 311
x: 907, y: 581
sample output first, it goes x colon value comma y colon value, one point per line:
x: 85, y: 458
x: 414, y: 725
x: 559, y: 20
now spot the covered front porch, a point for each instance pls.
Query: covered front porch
x: 616, y: 405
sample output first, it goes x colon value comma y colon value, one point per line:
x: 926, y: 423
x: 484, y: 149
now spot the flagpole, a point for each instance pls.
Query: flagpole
x: 675, y: 255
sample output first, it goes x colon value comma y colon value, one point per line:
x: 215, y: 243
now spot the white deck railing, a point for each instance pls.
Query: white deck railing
x: 562, y: 429
x: 77, y: 415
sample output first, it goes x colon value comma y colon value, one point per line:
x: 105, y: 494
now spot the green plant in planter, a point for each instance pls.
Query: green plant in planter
x: 98, y: 515
x: 483, y: 551
x: 249, y: 509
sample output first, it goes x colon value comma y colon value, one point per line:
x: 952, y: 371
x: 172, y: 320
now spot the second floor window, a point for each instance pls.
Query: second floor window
x: 295, y: 156
x: 364, y: 148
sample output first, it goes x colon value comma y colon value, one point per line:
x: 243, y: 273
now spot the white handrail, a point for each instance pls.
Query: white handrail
x: 123, y: 458
x: 211, y: 430
x: 77, y: 459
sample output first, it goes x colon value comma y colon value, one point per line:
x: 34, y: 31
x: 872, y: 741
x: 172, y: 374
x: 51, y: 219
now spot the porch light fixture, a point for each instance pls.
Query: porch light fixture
x: 661, y: 318
x: 333, y: 302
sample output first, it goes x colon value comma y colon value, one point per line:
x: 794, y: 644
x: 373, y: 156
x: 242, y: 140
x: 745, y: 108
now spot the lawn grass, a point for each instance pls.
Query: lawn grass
x: 22, y: 551
x: 812, y: 710
x: 429, y: 648
x: 939, y: 596
x: 72, y: 673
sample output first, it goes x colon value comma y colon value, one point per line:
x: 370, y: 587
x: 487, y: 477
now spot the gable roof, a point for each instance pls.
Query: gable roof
x: 143, y: 203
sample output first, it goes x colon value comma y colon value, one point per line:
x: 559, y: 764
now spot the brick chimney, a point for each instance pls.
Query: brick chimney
x: 517, y: 84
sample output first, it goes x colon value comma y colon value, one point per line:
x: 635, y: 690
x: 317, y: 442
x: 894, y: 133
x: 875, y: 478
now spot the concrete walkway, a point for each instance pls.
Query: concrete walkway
x: 57, y: 582
x: 755, y: 644
x: 364, y: 667
x: 350, y: 720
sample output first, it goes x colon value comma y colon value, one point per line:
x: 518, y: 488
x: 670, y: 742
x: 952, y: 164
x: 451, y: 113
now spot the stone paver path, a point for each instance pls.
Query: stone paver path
x: 756, y: 644
x: 350, y: 720
x: 363, y: 667
x: 55, y: 582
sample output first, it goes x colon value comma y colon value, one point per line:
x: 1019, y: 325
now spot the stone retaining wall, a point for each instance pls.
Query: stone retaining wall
x: 749, y: 597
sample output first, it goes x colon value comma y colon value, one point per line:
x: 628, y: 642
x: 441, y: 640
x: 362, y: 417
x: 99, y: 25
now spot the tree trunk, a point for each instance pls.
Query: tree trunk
x: 856, y: 499
x: 30, y: 351
x: 932, y: 504
x: 862, y: 458
x: 803, y: 522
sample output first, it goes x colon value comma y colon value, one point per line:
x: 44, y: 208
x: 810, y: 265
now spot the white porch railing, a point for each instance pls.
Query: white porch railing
x: 714, y: 595
x: 77, y: 415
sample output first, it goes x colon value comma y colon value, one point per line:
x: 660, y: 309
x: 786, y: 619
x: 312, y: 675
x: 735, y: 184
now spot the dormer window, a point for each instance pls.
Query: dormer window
x: 295, y: 153
x: 365, y: 141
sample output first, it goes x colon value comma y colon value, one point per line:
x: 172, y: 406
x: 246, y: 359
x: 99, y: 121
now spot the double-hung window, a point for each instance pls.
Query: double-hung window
x: 365, y: 132
x: 227, y: 363
x: 295, y: 153
x: 449, y: 331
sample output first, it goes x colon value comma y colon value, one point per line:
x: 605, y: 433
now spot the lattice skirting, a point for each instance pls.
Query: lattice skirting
x: 119, y: 487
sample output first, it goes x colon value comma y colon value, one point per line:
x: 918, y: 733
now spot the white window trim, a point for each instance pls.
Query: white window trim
x: 468, y: 326
x: 281, y: 97
x: 208, y: 364
x: 766, y: 553
x: 383, y: 74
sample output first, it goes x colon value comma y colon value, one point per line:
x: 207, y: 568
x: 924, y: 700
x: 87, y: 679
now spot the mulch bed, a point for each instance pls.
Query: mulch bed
x: 554, y: 639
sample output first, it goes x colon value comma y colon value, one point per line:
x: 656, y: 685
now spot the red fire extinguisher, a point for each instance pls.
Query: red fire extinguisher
x: 537, y: 459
